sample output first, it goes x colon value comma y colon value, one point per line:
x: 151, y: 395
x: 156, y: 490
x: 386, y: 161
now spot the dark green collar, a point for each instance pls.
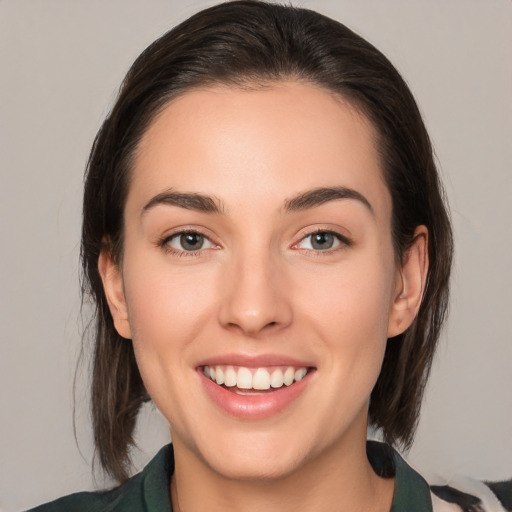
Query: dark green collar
x: 156, y: 478
x: 148, y: 491
x: 412, y: 492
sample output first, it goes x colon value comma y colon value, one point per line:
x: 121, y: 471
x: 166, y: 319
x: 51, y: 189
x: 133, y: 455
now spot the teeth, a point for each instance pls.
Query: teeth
x: 219, y: 376
x: 300, y: 374
x: 256, y: 378
x: 277, y: 379
x: 289, y: 376
x: 244, y: 378
x: 261, y: 379
x: 230, y: 378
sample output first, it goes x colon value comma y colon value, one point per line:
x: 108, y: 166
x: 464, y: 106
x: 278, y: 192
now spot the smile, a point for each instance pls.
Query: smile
x: 260, y: 379
x: 255, y: 389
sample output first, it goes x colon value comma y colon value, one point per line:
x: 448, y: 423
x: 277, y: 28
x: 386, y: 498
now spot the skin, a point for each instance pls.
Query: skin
x: 258, y: 286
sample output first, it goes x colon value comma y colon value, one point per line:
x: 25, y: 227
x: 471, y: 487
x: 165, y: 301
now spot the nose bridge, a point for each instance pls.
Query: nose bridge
x: 254, y: 297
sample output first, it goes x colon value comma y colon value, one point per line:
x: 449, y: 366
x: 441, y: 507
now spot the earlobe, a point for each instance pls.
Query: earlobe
x: 112, y: 279
x: 410, y: 284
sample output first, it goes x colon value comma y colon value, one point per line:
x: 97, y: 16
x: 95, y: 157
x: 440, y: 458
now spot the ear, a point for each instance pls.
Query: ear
x: 410, y: 285
x: 112, y: 279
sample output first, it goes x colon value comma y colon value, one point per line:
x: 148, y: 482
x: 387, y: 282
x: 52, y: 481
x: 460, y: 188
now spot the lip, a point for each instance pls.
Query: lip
x: 262, y: 360
x: 254, y: 406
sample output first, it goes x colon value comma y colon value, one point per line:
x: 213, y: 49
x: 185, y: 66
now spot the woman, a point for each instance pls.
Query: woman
x: 266, y: 241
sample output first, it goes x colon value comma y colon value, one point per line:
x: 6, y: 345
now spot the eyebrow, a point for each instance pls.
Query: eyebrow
x: 318, y: 196
x: 303, y: 201
x: 189, y: 201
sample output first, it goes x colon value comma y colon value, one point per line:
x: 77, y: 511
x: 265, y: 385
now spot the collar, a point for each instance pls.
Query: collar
x: 411, y: 490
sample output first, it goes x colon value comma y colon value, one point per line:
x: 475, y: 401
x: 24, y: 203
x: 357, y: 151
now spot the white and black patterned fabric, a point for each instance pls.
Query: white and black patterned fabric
x: 468, y: 495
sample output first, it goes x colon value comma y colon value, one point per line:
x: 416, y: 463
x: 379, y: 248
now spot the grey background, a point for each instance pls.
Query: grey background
x: 60, y: 64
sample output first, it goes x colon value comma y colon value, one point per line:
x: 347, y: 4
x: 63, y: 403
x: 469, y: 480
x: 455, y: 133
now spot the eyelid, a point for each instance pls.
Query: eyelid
x: 163, y: 242
x: 177, y: 236
x: 343, y: 240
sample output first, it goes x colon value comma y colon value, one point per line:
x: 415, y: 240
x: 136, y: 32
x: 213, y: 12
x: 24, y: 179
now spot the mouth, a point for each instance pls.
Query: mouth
x: 255, y: 392
x: 243, y: 380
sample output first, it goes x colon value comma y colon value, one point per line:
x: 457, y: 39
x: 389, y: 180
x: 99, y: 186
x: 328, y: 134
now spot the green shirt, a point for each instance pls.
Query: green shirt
x: 148, y: 491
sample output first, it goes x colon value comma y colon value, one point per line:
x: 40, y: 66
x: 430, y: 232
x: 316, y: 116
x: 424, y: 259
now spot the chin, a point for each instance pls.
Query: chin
x: 258, y: 468
x: 253, y: 456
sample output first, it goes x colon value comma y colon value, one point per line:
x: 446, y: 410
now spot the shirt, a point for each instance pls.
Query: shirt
x: 148, y: 491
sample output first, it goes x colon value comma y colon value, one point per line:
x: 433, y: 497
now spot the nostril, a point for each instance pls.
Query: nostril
x: 252, y: 313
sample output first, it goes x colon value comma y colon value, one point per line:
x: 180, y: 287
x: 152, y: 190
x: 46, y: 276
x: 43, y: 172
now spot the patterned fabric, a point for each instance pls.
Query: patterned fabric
x: 469, y: 495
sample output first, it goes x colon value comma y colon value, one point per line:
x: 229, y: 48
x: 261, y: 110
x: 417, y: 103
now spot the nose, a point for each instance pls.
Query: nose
x: 255, y: 297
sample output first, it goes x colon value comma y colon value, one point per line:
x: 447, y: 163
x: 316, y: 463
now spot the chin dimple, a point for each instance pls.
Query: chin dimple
x: 259, y: 379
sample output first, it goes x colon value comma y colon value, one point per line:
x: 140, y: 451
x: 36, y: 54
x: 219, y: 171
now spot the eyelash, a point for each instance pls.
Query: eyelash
x: 164, y: 243
x: 341, y: 239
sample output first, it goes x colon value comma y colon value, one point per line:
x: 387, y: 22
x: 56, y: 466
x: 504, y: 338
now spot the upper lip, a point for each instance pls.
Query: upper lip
x: 255, y: 361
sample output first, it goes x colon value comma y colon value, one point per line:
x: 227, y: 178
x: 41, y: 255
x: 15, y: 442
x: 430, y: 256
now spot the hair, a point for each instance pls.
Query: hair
x: 252, y: 43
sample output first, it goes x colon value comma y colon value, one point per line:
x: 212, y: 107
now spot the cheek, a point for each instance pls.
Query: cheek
x: 165, y: 303
x: 168, y: 310
x: 351, y: 295
x: 350, y: 311
x: 168, y: 315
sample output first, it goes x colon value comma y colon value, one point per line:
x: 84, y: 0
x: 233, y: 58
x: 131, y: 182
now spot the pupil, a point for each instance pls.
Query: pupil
x: 322, y: 241
x: 191, y: 241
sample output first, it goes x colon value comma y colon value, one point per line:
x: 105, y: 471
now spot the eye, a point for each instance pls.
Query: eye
x: 322, y: 241
x: 188, y: 241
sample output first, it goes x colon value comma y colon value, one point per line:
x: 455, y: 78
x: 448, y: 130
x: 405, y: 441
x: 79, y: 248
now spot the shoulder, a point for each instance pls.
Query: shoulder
x: 147, y: 491
x: 126, y: 497
x: 81, y: 501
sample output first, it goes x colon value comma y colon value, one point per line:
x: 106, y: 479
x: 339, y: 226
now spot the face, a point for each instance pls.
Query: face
x: 258, y: 279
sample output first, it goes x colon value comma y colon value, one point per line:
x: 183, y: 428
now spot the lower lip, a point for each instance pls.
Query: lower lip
x: 254, y: 407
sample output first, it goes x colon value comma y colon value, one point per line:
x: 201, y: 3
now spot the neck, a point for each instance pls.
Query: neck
x: 331, y: 481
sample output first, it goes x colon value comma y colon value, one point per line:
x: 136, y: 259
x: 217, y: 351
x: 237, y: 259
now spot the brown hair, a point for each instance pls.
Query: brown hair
x: 252, y: 42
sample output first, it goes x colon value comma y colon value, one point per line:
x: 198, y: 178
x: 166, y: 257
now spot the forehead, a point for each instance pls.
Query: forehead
x: 263, y: 143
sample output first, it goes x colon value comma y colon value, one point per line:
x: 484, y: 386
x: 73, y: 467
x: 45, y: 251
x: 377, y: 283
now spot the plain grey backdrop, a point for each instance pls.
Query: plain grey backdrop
x: 60, y: 64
